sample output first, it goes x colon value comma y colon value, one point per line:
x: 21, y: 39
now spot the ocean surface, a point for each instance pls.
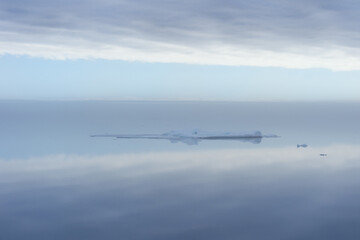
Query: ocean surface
x: 57, y: 182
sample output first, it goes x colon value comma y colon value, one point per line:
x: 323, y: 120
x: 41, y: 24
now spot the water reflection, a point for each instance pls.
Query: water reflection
x: 58, y: 183
x: 197, y: 194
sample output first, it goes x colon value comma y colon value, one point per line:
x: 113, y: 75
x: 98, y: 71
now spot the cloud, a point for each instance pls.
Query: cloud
x: 301, y: 34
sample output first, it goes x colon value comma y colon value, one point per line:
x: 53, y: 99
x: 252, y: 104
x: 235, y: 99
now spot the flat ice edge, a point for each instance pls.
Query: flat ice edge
x: 196, y: 134
x: 271, y: 136
x: 194, y: 137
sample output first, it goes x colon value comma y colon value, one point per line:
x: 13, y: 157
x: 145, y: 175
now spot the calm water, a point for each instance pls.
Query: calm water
x: 56, y: 182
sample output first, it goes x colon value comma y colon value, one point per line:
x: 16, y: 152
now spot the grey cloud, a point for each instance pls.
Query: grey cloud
x: 285, y: 26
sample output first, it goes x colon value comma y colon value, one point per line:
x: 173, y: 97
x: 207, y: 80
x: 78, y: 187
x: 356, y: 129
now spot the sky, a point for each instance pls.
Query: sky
x: 222, y: 50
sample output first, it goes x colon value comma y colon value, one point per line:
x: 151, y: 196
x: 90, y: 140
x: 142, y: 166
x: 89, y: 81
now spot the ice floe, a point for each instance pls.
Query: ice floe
x: 195, y: 136
x: 302, y: 145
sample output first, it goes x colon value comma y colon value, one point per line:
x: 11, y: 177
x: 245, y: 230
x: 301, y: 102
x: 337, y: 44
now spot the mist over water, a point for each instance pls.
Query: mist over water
x: 57, y: 181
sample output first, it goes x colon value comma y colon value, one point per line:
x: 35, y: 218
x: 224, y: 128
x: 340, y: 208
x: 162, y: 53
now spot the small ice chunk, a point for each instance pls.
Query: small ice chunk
x: 302, y: 145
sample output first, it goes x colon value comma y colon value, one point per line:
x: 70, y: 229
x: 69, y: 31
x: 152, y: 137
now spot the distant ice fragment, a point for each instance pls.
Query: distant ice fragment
x: 195, y: 136
x: 302, y: 145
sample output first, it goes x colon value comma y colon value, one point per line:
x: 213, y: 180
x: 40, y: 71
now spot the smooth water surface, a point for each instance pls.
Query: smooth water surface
x: 56, y: 182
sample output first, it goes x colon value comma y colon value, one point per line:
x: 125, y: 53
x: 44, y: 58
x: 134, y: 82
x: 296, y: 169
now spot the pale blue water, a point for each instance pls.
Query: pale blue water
x: 56, y: 182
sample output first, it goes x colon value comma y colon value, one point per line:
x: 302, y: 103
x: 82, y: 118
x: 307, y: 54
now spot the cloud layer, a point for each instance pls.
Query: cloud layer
x: 300, y: 34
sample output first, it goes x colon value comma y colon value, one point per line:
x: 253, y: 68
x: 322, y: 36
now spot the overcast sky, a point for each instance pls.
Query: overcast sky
x: 307, y: 34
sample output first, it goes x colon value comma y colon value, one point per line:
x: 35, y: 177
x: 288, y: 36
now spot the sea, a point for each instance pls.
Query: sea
x: 58, y: 182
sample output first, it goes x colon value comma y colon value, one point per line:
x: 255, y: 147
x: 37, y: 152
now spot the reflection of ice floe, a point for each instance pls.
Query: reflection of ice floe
x: 302, y: 145
x: 196, y: 136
